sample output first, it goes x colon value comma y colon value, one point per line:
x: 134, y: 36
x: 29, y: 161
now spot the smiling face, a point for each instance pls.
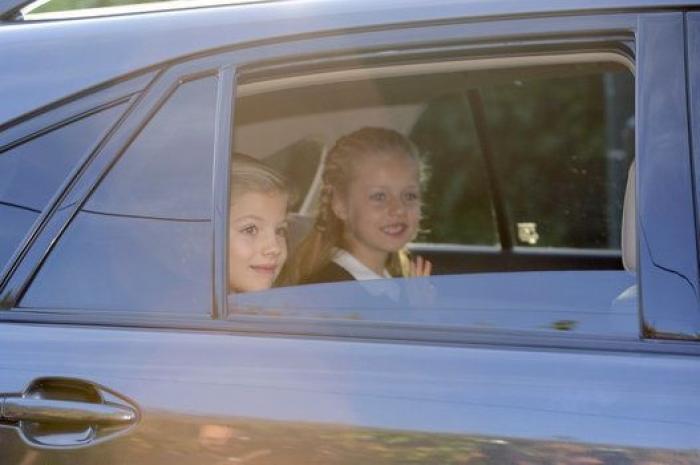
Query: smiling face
x: 257, y: 240
x: 381, y: 208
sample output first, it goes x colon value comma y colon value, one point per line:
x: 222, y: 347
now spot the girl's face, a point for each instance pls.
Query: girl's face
x: 257, y: 240
x: 381, y: 209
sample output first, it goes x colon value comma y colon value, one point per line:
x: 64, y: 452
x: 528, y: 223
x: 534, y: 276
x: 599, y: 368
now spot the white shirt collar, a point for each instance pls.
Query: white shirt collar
x: 356, y: 268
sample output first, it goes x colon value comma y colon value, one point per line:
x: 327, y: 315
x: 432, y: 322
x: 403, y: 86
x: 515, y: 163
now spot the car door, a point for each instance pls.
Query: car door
x: 126, y: 232
x: 120, y: 344
x: 654, y: 45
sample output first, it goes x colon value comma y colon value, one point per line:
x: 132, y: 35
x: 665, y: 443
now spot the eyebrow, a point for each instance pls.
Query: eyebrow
x: 246, y: 217
x: 384, y: 186
x: 252, y: 217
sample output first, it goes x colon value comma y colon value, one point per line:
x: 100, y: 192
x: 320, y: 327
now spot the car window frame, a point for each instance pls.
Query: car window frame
x: 638, y: 35
x: 40, y: 122
x: 76, y: 193
x: 668, y: 266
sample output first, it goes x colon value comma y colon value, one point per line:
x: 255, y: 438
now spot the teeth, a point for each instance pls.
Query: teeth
x: 394, y: 229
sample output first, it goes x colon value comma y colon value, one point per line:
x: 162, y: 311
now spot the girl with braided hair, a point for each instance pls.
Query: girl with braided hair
x: 370, y: 208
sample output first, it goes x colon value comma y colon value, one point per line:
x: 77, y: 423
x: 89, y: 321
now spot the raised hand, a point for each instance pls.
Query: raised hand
x: 419, y: 267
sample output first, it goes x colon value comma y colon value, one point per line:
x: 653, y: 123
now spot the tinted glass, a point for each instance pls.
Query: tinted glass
x: 143, y: 241
x: 166, y: 171
x: 562, y: 147
x: 559, y: 148
x: 15, y: 223
x: 458, y: 182
x: 106, y: 262
x: 31, y: 173
x: 555, y: 301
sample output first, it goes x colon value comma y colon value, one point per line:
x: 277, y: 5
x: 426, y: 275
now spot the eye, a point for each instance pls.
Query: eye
x: 281, y: 231
x: 378, y: 197
x: 411, y: 196
x: 250, y: 229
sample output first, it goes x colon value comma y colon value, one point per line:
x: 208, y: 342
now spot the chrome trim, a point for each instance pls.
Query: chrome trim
x: 61, y: 411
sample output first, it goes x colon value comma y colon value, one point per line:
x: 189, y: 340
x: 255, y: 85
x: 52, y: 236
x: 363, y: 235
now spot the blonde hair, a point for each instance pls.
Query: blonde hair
x: 251, y: 175
x: 316, y: 250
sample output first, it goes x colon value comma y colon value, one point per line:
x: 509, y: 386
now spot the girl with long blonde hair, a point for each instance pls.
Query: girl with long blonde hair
x: 370, y: 208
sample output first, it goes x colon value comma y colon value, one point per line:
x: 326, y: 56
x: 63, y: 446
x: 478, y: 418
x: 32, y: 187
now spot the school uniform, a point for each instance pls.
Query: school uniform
x: 344, y: 267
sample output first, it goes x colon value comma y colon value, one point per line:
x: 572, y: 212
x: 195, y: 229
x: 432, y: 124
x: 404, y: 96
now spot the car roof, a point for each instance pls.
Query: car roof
x: 128, y: 42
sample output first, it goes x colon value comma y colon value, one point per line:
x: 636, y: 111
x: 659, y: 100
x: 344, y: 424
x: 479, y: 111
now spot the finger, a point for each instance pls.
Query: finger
x: 422, y: 264
x: 428, y: 268
x: 419, y: 265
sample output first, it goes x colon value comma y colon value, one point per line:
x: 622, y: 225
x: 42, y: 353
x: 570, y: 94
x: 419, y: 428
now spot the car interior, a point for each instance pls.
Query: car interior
x: 292, y: 120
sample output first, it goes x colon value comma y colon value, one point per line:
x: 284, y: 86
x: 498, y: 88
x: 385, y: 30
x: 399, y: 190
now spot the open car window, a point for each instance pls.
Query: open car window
x: 523, y: 208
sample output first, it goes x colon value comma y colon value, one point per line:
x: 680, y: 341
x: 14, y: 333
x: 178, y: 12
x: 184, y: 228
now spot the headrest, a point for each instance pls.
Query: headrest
x: 629, y: 222
x: 299, y: 226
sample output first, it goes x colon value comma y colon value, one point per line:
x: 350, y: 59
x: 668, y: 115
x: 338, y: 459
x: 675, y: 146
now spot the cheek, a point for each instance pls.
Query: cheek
x: 283, y: 250
x: 365, y: 212
x: 238, y: 249
x: 414, y: 213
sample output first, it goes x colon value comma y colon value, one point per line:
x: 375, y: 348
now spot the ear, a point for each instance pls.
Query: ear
x: 339, y: 206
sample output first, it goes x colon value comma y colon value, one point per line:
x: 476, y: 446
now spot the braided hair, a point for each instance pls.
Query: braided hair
x: 316, y: 250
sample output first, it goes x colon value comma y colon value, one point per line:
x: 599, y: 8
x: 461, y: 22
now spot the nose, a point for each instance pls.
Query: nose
x: 396, y: 206
x: 273, y: 245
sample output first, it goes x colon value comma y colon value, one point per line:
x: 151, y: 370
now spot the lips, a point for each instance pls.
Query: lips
x: 395, y: 229
x: 265, y: 269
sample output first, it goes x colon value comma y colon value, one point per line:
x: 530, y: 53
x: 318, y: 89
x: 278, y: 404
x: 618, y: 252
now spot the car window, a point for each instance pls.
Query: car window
x: 32, y: 171
x: 553, y: 150
x: 143, y: 240
x: 523, y: 204
x: 458, y: 181
x: 166, y: 172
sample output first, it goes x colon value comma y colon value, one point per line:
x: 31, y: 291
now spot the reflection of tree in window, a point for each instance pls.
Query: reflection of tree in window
x: 550, y: 147
x: 559, y: 153
x: 457, y: 204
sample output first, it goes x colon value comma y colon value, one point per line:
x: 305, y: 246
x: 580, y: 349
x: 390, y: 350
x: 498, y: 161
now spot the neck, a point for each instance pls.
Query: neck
x: 375, y: 260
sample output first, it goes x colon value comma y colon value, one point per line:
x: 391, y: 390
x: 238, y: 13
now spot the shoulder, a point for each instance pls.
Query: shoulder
x: 330, y: 273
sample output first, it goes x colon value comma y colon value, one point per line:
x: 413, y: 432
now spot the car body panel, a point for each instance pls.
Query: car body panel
x: 693, y: 57
x: 282, y: 393
x: 667, y: 250
x: 174, y: 34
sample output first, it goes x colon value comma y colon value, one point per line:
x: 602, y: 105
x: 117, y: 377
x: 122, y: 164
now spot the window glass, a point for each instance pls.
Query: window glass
x: 562, y: 145
x: 143, y: 241
x: 555, y: 301
x: 559, y: 147
x: 30, y: 173
x: 521, y: 210
x: 166, y: 171
x: 298, y: 161
x: 457, y: 181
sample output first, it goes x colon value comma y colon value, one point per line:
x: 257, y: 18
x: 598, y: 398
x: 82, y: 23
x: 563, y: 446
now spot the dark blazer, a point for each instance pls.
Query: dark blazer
x: 330, y: 273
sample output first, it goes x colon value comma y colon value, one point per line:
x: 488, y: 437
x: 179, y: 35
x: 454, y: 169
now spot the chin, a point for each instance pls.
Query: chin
x: 252, y: 286
x: 394, y: 245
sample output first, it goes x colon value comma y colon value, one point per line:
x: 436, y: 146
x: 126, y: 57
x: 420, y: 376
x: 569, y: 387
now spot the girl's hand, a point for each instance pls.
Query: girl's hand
x: 420, y: 293
x: 419, y: 267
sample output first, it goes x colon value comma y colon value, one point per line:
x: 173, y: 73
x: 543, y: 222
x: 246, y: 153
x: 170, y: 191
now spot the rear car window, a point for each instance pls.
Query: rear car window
x: 552, y: 146
x: 522, y: 207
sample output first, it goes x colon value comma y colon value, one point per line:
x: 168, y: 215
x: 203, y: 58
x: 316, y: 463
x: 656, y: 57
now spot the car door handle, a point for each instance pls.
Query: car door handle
x: 63, y: 411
